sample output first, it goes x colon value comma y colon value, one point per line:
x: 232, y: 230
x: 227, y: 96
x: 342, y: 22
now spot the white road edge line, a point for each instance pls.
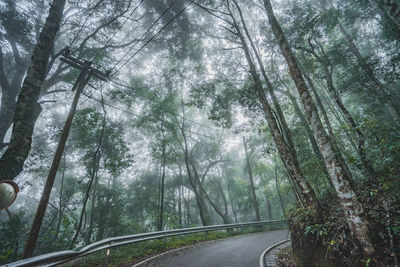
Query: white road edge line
x: 262, y: 256
x: 190, y: 246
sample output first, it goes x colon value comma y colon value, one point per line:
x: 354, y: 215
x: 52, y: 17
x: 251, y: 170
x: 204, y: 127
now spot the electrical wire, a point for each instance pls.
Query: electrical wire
x: 141, y: 116
x: 141, y: 37
x: 86, y: 20
x: 165, y: 110
x: 117, y: 84
x: 117, y: 30
x: 154, y: 36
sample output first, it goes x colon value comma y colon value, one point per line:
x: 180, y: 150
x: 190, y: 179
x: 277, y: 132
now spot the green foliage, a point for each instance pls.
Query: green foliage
x: 87, y: 128
x: 12, y: 233
x: 16, y: 24
x: 190, y: 89
x: 317, y: 229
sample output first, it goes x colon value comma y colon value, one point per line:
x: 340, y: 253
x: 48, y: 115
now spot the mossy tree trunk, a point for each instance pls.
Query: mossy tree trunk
x: 27, y: 108
x: 287, y: 157
x: 353, y: 209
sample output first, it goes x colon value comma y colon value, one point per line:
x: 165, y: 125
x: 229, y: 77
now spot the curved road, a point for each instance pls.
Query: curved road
x: 240, y: 251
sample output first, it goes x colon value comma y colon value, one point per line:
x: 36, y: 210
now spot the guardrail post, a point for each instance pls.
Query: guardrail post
x: 205, y: 233
x: 107, y: 254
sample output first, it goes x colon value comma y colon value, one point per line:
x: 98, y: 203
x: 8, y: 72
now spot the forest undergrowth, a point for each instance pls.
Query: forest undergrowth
x: 328, y: 241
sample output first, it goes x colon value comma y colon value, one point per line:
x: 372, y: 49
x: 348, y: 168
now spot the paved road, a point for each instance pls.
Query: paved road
x: 240, y: 251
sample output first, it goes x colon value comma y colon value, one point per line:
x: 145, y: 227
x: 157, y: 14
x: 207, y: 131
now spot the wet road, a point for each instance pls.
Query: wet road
x: 239, y: 251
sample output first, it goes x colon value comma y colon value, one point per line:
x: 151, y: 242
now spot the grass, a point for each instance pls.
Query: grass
x: 131, y: 254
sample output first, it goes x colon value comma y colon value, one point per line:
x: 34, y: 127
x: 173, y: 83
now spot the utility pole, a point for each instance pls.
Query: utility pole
x: 86, y: 72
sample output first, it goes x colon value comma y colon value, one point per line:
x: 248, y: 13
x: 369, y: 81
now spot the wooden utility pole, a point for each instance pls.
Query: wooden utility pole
x: 86, y: 73
x: 253, y: 191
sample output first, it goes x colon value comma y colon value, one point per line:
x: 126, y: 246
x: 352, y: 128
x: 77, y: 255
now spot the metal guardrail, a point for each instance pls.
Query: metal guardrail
x: 55, y: 258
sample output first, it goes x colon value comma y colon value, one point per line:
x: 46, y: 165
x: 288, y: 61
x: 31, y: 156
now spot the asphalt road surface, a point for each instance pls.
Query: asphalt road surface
x: 239, y: 251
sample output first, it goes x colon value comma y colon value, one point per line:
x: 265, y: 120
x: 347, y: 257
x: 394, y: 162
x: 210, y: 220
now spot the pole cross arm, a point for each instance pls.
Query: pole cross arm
x: 79, y: 64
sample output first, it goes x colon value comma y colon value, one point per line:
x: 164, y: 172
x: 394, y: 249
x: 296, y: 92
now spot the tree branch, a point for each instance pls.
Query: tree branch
x: 99, y: 28
x: 47, y: 101
x: 209, y: 167
x: 3, y: 80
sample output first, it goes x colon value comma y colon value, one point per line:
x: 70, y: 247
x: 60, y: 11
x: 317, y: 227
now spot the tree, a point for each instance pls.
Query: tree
x: 27, y: 109
x: 353, y: 209
x: 286, y: 154
x: 253, y: 191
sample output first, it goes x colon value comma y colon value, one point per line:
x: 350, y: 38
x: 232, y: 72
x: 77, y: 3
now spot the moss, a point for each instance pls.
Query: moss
x: 328, y: 242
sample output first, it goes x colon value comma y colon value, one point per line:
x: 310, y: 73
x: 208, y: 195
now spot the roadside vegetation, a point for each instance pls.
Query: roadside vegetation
x: 120, y: 117
x: 129, y: 255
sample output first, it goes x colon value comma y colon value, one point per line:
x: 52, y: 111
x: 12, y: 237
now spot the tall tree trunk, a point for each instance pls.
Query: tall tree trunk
x: 204, y: 214
x: 27, y: 109
x: 328, y: 69
x: 61, y: 209
x: 353, y: 209
x: 83, y: 211
x: 277, y: 188
x: 284, y: 152
x: 351, y: 122
x: 187, y: 204
x: 307, y: 128
x: 91, y: 219
x: 328, y: 126
x: 296, y: 192
x: 221, y: 191
x: 104, y: 212
x: 279, y: 113
x: 215, y: 207
x: 229, y: 185
x: 338, y: 117
x: 10, y: 88
x: 268, y: 206
x: 161, y: 210
x: 253, y: 191
x: 200, y: 201
x: 180, y: 195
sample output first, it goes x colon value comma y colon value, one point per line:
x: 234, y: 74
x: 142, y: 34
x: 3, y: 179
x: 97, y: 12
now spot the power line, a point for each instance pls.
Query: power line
x: 141, y: 37
x: 147, y: 42
x: 155, y: 35
x: 114, y: 107
x: 168, y: 111
x: 120, y: 83
x: 141, y: 116
x: 116, y: 30
x: 154, y: 23
x: 161, y: 108
x: 86, y: 20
